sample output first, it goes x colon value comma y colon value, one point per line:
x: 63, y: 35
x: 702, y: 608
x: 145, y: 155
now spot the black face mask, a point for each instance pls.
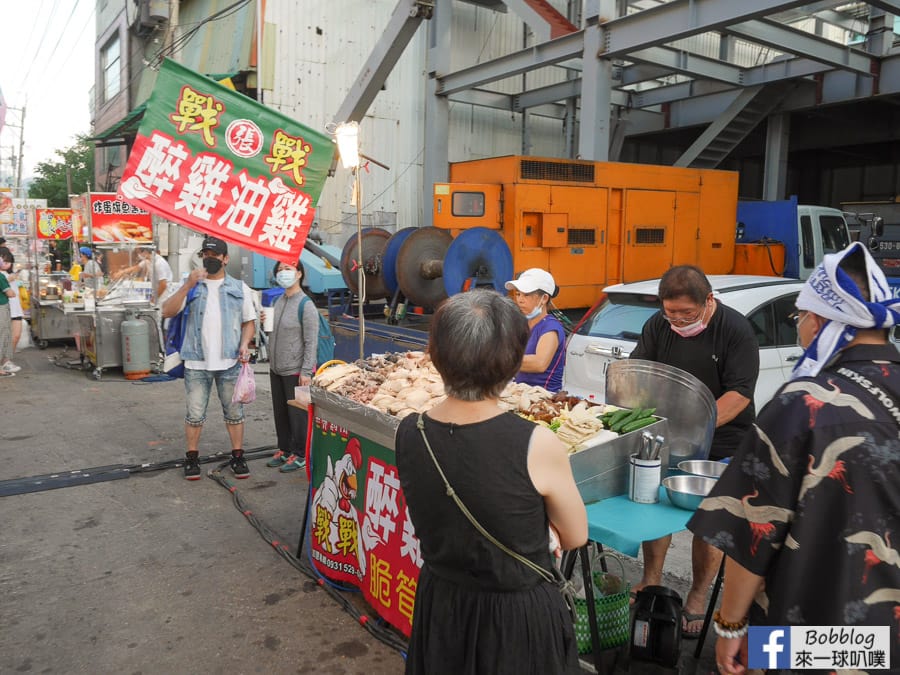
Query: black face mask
x: 212, y: 265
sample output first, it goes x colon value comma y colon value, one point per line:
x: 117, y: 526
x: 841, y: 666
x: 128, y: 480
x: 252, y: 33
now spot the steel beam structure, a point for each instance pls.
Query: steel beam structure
x: 680, y: 19
x: 778, y: 135
x: 596, y: 88
x: 795, y: 41
x: 436, y: 158
x: 403, y: 24
x: 829, y: 16
x: 889, y: 6
x: 540, y: 55
x: 681, y: 61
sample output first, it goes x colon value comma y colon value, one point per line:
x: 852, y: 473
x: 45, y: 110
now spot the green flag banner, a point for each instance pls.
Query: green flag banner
x: 223, y: 164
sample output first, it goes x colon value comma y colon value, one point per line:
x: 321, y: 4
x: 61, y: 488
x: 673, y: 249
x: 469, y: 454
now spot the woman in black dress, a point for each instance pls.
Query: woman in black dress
x: 479, y: 610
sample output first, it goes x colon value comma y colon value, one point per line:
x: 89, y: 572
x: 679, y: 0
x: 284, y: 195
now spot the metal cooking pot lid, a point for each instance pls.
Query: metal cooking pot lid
x: 677, y: 395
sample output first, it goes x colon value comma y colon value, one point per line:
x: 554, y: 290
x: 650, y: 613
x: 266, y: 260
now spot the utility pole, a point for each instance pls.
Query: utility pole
x: 21, y: 152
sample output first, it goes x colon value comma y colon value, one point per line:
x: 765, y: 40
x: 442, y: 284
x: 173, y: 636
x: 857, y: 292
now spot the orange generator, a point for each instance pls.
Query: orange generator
x: 592, y: 224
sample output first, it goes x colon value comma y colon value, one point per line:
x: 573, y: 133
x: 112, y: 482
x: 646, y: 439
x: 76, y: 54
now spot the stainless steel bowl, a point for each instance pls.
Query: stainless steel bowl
x: 686, y: 492
x: 702, y: 467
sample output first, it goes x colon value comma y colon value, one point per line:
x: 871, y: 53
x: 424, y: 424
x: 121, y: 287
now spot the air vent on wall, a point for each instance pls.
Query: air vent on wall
x: 534, y: 169
x: 650, y: 235
x: 581, y: 237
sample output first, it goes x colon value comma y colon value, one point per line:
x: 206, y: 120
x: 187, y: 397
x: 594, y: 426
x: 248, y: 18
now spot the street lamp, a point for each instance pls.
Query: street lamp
x: 347, y: 136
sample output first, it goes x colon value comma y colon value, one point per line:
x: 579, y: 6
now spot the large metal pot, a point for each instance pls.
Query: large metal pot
x: 677, y: 395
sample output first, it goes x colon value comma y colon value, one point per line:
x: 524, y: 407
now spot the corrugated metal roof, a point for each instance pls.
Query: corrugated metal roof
x: 221, y: 41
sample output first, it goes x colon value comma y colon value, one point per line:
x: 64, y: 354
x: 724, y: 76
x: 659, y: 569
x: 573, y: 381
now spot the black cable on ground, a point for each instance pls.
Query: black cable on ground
x: 101, y: 474
x: 376, y: 627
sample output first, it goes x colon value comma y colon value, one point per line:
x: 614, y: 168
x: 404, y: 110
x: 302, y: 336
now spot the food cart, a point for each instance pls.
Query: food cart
x: 358, y: 526
x: 54, y: 298
x: 116, y: 229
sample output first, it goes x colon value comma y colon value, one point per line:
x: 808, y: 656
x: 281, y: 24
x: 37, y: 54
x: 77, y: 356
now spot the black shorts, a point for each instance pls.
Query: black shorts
x: 16, y: 318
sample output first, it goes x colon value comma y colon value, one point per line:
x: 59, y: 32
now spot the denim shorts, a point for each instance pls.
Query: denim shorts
x: 198, y: 386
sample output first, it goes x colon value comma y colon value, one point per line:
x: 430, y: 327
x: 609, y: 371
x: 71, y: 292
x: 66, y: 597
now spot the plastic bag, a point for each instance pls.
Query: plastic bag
x: 25, y: 341
x: 245, y: 387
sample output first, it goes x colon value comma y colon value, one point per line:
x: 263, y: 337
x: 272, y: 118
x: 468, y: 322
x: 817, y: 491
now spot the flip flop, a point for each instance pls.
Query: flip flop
x: 632, y: 597
x: 687, y: 619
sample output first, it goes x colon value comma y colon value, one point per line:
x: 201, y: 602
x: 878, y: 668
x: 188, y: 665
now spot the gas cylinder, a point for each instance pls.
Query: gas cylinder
x: 135, y: 347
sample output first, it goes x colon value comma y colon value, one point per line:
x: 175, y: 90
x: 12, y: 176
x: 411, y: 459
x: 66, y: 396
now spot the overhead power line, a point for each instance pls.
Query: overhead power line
x: 37, y: 50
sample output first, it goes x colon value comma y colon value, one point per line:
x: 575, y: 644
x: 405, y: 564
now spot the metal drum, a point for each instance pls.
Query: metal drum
x: 677, y: 395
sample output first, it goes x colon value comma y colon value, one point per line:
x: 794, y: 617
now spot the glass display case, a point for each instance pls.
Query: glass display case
x: 53, y: 293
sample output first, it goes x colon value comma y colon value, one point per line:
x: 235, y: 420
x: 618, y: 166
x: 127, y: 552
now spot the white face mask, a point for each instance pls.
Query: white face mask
x: 286, y: 278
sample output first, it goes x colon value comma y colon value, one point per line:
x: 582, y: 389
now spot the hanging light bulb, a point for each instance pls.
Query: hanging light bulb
x: 347, y: 135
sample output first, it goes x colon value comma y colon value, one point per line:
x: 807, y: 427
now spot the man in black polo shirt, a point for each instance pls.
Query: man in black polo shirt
x: 715, y: 344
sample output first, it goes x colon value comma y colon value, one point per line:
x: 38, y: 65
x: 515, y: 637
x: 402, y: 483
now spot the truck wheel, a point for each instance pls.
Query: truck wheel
x: 98, y: 373
x: 42, y: 344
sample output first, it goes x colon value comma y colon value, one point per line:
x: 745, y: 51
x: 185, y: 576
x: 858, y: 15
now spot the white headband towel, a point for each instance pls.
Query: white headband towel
x: 830, y: 293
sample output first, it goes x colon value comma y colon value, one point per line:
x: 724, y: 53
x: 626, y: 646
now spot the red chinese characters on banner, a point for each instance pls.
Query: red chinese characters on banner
x: 374, y: 546
x: 392, y: 547
x: 244, y: 138
x: 117, y: 221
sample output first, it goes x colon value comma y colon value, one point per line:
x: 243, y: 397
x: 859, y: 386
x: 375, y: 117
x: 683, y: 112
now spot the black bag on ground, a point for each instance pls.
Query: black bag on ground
x: 656, y: 626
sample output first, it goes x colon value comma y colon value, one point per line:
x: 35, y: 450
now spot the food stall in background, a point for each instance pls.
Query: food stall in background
x: 358, y: 526
x: 53, y: 297
x: 17, y: 226
x: 117, y: 321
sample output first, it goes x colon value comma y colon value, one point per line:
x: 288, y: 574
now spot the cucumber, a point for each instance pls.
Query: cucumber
x: 630, y: 417
x: 617, y: 417
x: 637, y: 424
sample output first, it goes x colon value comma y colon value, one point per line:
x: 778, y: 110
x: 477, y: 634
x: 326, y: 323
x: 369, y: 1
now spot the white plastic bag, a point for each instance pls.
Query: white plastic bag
x: 245, y: 387
x: 25, y: 339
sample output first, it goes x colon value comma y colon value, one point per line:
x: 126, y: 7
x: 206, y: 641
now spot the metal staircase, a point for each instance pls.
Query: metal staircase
x: 751, y: 107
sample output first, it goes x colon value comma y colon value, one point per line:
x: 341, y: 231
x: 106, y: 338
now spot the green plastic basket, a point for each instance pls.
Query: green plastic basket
x: 613, y: 612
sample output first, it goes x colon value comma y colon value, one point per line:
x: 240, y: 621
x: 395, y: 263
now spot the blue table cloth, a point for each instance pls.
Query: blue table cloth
x: 622, y: 524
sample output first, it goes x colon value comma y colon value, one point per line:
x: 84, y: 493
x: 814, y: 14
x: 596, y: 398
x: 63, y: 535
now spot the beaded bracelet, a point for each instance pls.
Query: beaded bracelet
x: 726, y: 633
x: 728, y: 629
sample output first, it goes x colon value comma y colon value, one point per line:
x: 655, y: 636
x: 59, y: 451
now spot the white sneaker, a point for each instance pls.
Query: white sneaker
x: 10, y: 367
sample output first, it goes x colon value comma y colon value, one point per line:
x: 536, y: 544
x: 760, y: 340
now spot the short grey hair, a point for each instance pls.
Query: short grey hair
x: 477, y: 342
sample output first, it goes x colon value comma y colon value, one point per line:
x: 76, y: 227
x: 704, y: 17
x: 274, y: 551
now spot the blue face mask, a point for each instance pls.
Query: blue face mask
x: 533, y: 314
x: 286, y: 278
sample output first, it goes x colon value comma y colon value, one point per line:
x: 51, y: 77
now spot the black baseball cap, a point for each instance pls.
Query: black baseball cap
x: 214, y: 244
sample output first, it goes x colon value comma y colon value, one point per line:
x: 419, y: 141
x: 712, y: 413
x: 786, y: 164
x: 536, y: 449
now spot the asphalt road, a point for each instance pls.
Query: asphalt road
x: 151, y: 573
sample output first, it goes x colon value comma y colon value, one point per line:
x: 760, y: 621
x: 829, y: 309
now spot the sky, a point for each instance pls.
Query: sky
x: 47, y: 67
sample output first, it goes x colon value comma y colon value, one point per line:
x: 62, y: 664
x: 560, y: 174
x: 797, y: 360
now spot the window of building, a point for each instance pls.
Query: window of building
x: 110, y: 68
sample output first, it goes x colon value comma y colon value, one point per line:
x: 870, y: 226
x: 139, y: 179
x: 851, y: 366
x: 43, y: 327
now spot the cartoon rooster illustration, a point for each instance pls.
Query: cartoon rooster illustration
x: 830, y: 466
x: 761, y: 519
x: 335, y: 495
x: 818, y: 396
x: 880, y: 550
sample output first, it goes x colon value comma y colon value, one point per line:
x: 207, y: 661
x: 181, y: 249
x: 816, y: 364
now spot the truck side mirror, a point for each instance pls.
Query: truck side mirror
x: 873, y: 244
x: 878, y: 226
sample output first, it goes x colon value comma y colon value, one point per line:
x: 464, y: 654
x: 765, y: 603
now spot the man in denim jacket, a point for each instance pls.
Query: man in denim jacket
x: 216, y: 342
